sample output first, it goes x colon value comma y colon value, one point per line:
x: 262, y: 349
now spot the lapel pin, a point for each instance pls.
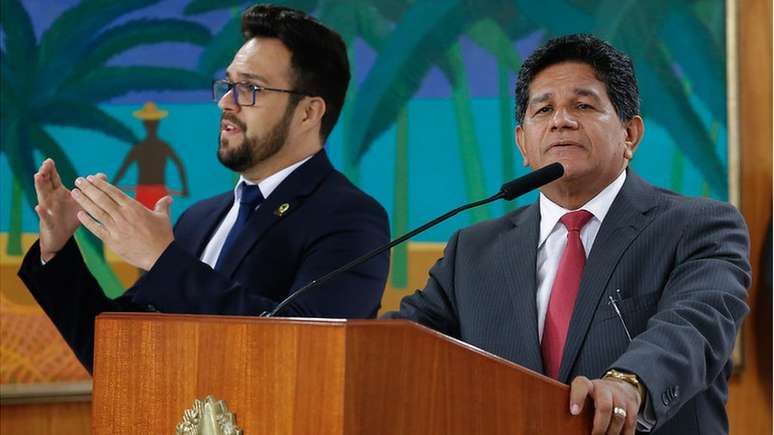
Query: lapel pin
x: 281, y: 210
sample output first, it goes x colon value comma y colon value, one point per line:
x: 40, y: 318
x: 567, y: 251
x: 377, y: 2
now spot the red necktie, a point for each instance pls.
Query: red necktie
x: 564, y: 293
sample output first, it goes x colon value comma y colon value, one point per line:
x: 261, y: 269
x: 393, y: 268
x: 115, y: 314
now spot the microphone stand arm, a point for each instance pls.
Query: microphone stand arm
x: 360, y: 260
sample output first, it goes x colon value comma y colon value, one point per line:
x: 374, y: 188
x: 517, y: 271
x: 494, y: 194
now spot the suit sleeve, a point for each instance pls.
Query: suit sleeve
x: 70, y: 296
x: 689, y: 340
x: 434, y: 306
x: 179, y: 279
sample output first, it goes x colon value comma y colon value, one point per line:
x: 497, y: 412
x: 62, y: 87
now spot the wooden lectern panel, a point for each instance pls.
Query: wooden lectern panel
x: 438, y: 385
x: 300, y: 376
x: 148, y: 369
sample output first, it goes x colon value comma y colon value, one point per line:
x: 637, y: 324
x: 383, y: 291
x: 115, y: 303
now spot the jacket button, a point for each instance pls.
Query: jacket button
x: 676, y: 393
x: 152, y: 307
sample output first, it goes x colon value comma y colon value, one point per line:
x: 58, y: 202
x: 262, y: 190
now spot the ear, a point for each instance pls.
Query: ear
x: 521, y: 144
x: 634, y: 130
x: 312, y: 111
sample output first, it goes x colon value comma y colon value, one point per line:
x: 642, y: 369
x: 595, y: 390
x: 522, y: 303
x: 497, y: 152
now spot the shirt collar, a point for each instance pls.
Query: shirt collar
x: 268, y: 184
x: 599, y: 205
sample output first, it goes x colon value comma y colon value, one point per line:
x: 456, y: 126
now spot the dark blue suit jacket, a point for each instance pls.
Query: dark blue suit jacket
x: 328, y: 223
x: 682, y: 268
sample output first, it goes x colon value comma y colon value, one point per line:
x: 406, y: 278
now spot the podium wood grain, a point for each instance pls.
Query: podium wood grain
x: 293, y: 376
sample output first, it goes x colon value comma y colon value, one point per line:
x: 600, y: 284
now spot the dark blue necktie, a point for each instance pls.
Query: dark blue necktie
x: 250, y: 199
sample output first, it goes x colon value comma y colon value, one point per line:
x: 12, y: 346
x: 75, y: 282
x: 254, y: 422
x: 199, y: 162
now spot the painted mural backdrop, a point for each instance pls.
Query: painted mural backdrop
x: 122, y: 87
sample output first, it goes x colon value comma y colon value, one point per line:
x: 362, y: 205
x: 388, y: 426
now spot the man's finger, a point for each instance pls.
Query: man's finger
x: 163, y: 205
x: 603, y: 405
x: 92, y: 225
x: 91, y: 207
x: 41, y: 190
x: 630, y: 424
x: 116, y: 194
x: 617, y: 419
x: 98, y: 197
x: 41, y: 212
x: 49, y: 169
x: 43, y: 176
x: 580, y: 388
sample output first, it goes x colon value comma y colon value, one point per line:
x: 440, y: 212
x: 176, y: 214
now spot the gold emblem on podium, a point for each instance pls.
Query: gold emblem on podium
x: 208, y: 417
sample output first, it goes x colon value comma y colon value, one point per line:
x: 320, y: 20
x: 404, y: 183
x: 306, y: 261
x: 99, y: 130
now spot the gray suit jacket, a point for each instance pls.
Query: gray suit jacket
x: 682, y: 268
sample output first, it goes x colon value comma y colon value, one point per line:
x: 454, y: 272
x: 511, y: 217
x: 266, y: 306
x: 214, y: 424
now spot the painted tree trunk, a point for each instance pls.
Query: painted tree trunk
x: 472, y: 168
x: 506, y: 130
x: 14, y: 245
x: 400, y: 215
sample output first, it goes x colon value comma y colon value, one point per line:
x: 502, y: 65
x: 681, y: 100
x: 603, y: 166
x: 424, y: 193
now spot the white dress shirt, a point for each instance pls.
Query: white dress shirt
x: 553, y: 239
x: 267, y: 186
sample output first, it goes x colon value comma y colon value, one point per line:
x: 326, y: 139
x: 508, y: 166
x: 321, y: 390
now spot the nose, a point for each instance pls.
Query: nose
x: 227, y: 102
x: 563, y: 119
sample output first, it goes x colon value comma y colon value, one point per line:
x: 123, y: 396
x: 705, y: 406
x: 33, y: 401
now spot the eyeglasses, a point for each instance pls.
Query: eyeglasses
x: 243, y: 93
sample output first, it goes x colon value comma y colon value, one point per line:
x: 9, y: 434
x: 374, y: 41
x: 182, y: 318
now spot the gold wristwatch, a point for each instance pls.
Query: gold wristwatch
x: 629, y: 378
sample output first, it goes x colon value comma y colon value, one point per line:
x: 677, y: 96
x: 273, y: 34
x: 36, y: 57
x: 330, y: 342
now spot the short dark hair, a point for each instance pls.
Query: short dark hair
x: 612, y: 67
x: 319, y: 64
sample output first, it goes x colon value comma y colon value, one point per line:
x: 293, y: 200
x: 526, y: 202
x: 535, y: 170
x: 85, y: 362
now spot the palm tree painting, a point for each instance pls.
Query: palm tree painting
x: 425, y: 35
x: 60, y: 79
x: 429, y: 116
x: 434, y: 28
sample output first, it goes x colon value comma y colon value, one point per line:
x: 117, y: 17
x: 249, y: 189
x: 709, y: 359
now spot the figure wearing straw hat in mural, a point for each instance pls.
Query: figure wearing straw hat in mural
x: 151, y: 156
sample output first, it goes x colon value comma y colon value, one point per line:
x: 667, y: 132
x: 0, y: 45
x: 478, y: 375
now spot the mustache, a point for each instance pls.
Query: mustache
x: 233, y: 119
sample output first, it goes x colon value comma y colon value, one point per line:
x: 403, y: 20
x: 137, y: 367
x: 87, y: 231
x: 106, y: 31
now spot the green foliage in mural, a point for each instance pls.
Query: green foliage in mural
x: 400, y: 225
x: 60, y: 79
x: 64, y: 78
x: 403, y: 62
x: 413, y: 36
x: 645, y: 34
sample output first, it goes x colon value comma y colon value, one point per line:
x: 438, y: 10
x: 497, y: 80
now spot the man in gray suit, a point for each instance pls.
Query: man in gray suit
x: 632, y: 293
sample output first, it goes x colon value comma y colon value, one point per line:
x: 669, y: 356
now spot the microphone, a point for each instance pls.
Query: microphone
x: 531, y: 181
x: 508, y: 191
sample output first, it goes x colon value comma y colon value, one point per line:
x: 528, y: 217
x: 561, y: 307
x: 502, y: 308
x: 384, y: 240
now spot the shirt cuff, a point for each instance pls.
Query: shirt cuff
x: 646, y: 419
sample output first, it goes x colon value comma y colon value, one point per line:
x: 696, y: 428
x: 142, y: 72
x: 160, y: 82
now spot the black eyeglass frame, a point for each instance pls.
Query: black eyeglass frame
x: 254, y: 89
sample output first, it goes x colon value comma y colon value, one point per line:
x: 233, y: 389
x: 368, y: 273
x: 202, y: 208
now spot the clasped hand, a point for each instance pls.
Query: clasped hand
x: 136, y: 234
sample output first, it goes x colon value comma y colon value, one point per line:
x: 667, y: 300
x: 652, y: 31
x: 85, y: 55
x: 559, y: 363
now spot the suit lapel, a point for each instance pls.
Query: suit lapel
x: 282, y: 202
x: 627, y: 217
x: 521, y: 279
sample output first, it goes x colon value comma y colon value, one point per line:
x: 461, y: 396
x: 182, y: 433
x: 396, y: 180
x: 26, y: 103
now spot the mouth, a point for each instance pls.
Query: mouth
x: 229, y: 127
x: 560, y: 145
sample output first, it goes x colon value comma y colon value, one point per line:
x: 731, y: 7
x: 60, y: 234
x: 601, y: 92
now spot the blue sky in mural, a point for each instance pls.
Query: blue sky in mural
x: 481, y: 67
x: 434, y: 154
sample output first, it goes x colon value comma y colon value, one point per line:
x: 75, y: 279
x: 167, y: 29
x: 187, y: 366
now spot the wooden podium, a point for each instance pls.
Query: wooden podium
x: 297, y: 376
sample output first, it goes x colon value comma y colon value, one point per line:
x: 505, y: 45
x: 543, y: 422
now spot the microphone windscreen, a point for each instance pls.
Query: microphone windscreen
x: 531, y: 181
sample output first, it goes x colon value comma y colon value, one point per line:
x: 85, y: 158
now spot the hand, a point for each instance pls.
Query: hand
x: 56, y: 209
x: 607, y: 394
x: 136, y: 234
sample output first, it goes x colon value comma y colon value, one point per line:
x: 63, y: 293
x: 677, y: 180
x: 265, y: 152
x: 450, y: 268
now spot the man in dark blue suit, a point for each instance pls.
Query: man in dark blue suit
x: 631, y: 293
x: 291, y: 218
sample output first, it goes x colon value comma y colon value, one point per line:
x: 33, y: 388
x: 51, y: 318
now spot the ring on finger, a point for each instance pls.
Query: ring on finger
x: 619, y: 412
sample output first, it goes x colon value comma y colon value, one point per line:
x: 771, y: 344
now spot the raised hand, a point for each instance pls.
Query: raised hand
x: 56, y: 209
x: 136, y: 234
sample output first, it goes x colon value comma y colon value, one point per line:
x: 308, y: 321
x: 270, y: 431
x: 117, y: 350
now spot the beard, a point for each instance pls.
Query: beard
x: 252, y: 150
